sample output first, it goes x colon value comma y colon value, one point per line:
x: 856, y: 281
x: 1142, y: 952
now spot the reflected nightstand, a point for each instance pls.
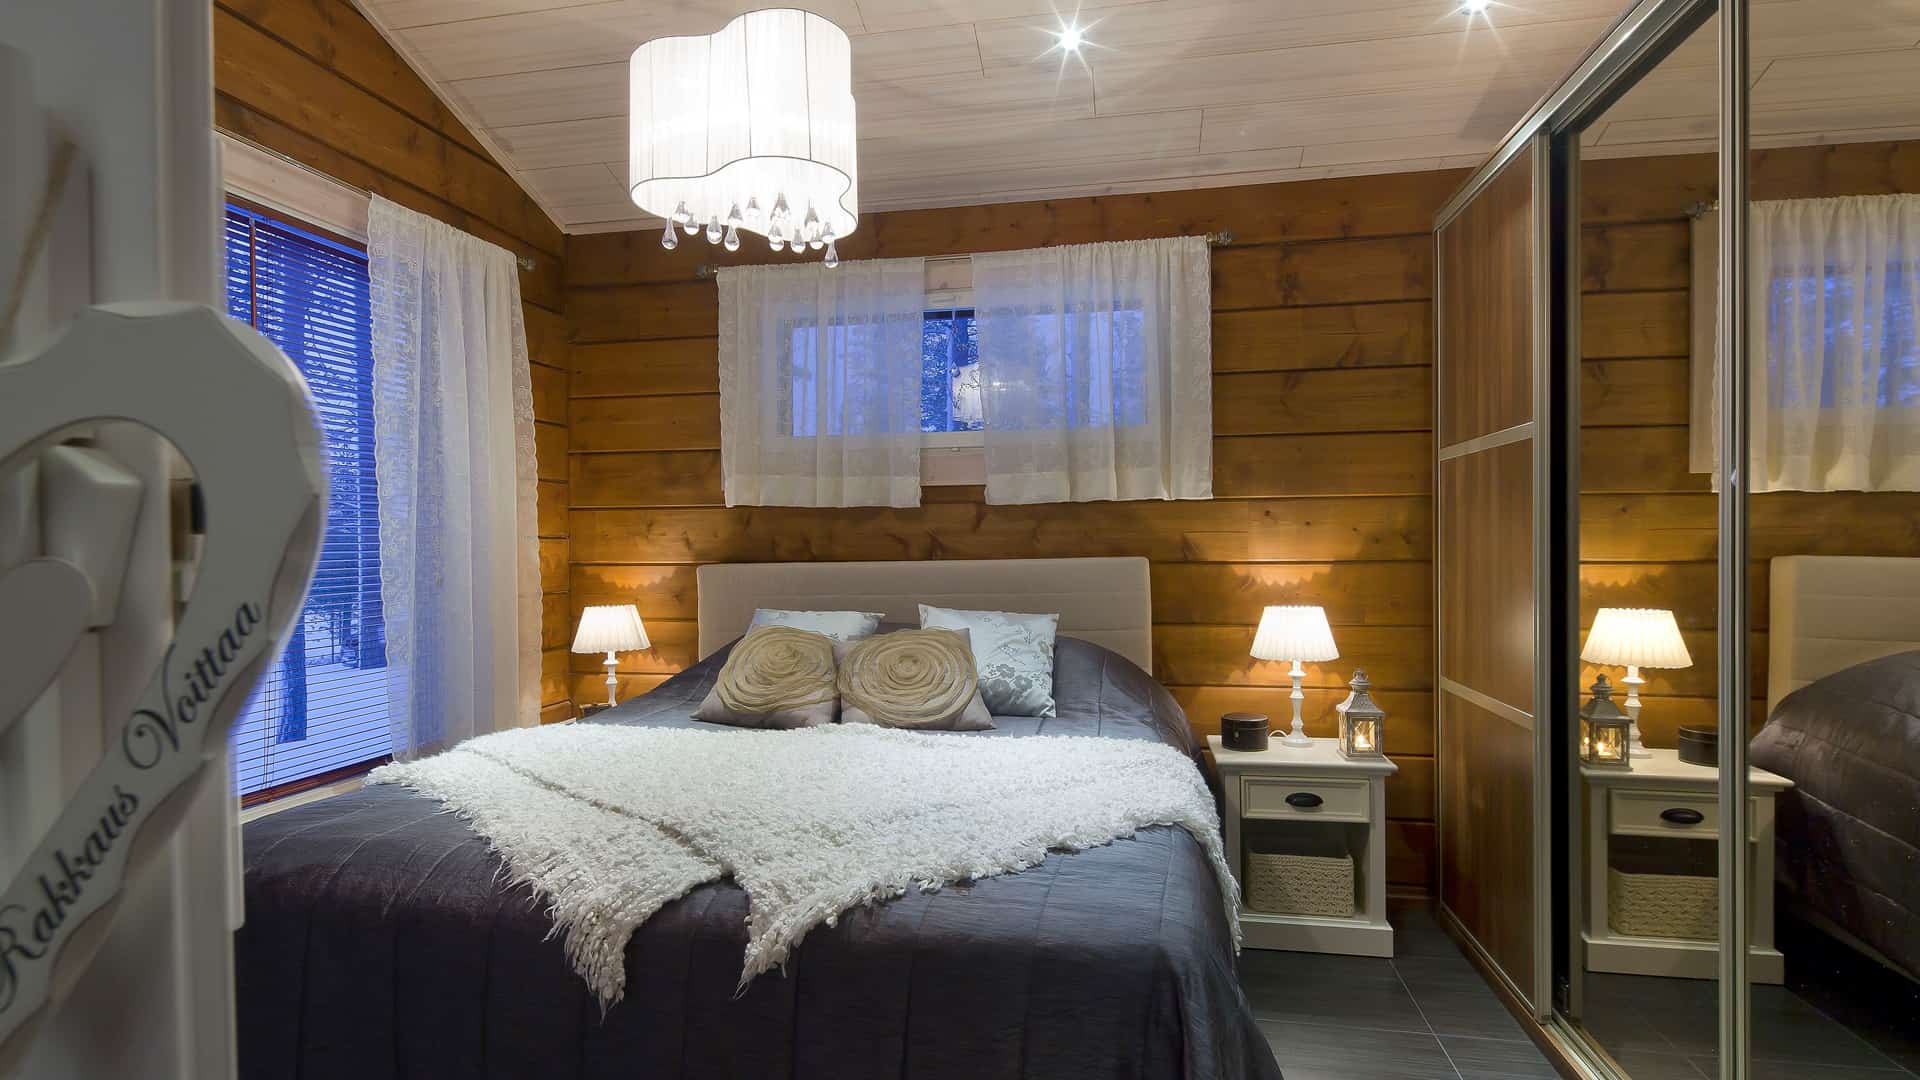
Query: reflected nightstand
x: 1665, y: 799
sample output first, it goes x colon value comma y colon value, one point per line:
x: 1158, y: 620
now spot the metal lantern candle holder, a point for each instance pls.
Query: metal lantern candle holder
x: 1605, y: 738
x: 1362, y: 724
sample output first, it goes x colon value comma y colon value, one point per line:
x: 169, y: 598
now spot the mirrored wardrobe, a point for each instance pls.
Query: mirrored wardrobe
x: 1678, y: 540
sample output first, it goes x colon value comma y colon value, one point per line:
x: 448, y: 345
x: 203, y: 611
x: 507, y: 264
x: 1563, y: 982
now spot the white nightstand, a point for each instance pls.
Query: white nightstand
x: 1664, y: 796
x: 1313, y: 787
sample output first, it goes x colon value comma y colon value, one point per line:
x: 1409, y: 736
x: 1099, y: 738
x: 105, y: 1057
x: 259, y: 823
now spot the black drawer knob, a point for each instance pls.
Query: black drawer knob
x: 1305, y: 800
x: 1682, y: 815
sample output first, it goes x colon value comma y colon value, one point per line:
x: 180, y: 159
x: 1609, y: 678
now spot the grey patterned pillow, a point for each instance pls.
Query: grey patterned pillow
x: 1013, y: 653
x: 838, y: 625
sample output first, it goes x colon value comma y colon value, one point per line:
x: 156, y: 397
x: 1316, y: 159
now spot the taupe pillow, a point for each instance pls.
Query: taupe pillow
x: 775, y: 677
x: 919, y: 679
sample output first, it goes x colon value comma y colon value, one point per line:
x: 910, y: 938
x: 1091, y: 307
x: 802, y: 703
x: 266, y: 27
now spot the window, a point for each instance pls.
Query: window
x: 322, y: 710
x: 1839, y: 315
x: 949, y: 372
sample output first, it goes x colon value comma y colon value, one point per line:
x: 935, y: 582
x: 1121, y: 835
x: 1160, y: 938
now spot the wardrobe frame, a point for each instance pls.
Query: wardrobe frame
x: 1630, y: 48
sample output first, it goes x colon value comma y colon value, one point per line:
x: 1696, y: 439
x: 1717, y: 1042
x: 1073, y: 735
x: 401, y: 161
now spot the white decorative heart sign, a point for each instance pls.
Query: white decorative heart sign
x: 239, y: 412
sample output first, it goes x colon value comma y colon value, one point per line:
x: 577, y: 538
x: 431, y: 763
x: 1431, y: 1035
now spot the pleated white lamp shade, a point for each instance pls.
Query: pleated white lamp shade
x: 1636, y: 637
x: 1294, y: 633
x: 610, y: 628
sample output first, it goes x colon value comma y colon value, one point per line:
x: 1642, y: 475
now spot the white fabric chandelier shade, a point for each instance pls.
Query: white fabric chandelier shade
x: 610, y: 628
x: 1636, y: 637
x: 1294, y: 633
x: 748, y: 129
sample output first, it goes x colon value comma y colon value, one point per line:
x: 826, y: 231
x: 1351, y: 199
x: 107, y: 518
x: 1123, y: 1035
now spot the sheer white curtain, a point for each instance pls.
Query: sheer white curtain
x: 820, y: 383
x: 1096, y: 371
x: 1835, y: 326
x: 1836, y: 370
x: 454, y: 458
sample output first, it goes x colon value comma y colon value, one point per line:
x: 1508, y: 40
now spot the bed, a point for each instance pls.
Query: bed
x: 378, y: 942
x: 1843, y: 702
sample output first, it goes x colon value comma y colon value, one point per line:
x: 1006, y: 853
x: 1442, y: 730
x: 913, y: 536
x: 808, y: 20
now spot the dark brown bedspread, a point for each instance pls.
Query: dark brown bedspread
x: 1848, y: 833
x: 379, y: 942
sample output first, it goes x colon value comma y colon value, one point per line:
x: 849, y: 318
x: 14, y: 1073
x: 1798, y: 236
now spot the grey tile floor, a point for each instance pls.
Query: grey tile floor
x: 1839, y: 1017
x: 1424, y: 1015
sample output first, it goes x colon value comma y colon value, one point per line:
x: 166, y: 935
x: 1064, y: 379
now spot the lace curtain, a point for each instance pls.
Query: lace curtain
x: 1835, y: 330
x: 820, y: 383
x: 1096, y: 371
x: 454, y: 460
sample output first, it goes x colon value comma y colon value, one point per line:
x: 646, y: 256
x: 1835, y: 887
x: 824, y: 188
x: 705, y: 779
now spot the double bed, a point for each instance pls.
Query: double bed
x: 382, y: 940
x: 1843, y: 702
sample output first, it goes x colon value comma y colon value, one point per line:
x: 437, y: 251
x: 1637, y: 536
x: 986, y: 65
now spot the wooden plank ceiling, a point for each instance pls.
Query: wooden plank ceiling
x: 963, y: 101
x: 1823, y: 72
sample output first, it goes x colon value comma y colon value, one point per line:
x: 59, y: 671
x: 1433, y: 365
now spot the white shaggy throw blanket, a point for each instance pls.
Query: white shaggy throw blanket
x: 611, y: 823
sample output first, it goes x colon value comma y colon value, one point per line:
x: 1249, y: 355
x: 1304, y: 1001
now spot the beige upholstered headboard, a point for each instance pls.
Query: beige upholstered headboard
x: 1830, y: 612
x: 1105, y: 601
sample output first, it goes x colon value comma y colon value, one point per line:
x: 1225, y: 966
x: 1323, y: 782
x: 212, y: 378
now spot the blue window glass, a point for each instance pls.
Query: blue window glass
x: 323, y: 706
x: 949, y: 372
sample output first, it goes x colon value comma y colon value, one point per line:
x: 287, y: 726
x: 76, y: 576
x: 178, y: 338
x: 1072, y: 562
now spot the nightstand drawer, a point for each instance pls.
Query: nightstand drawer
x: 1331, y: 800
x: 1655, y: 813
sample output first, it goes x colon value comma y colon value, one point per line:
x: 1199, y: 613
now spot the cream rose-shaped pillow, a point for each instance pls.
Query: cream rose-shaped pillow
x: 775, y: 677
x: 919, y: 679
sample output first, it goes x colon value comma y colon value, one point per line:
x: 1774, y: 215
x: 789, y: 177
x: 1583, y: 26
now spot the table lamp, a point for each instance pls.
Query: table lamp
x: 610, y: 628
x: 1299, y: 635
x: 1634, y: 638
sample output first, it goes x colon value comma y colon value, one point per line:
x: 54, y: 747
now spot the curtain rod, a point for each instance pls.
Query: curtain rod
x: 1701, y: 209
x: 1213, y: 239
x: 526, y: 261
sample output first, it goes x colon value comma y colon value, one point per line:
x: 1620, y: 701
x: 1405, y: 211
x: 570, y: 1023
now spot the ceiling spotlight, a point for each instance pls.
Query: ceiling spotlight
x: 1475, y: 7
x: 1071, y: 37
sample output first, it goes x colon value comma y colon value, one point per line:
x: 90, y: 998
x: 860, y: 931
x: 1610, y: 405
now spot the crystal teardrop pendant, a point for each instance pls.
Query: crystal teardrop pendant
x: 833, y: 257
x: 732, y: 240
x: 713, y: 230
x: 753, y: 218
x: 668, y: 239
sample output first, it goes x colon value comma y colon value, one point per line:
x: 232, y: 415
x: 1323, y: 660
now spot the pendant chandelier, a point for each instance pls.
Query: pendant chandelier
x: 749, y: 129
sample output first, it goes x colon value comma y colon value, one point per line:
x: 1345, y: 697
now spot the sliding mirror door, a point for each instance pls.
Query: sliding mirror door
x: 1642, y: 967
x: 1833, y: 530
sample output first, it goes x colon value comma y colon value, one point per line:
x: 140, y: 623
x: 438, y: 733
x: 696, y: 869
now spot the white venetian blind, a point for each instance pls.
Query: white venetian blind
x: 323, y: 707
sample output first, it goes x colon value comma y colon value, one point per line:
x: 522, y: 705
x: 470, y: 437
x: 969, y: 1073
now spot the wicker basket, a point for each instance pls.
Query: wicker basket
x: 1663, y: 905
x: 1286, y: 884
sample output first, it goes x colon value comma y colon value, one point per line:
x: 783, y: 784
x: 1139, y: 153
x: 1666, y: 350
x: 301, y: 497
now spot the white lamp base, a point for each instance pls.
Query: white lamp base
x: 612, y: 681
x: 1298, y: 736
x: 1633, y: 682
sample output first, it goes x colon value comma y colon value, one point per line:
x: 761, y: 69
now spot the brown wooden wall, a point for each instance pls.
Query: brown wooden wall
x: 1648, y: 535
x: 313, y: 80
x: 1322, y: 409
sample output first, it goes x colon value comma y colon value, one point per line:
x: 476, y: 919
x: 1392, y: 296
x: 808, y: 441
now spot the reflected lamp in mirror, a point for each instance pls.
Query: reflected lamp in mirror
x: 1296, y: 634
x: 610, y: 628
x: 1635, y: 638
x: 1604, y: 729
x: 1363, y: 725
